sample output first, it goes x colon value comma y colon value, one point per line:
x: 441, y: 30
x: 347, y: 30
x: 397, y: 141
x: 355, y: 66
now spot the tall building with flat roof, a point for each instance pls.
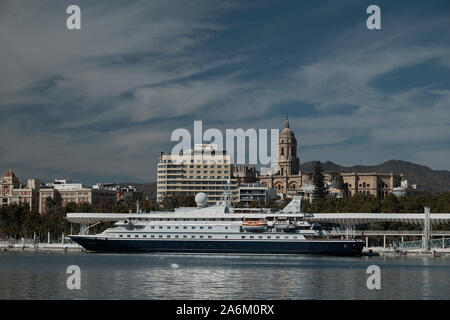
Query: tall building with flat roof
x: 203, y: 169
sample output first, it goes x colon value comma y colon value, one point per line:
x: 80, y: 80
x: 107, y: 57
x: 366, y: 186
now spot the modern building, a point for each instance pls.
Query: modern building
x: 408, y: 189
x: 63, y: 184
x: 203, y: 169
x: 249, y: 192
x: 13, y: 191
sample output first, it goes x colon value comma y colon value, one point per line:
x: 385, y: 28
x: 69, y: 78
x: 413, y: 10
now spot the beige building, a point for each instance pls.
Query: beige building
x: 76, y: 195
x: 13, y: 191
x: 204, y: 169
x: 376, y: 184
x: 288, y: 180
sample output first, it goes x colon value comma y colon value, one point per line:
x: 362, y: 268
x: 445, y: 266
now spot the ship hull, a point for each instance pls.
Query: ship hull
x: 324, y: 247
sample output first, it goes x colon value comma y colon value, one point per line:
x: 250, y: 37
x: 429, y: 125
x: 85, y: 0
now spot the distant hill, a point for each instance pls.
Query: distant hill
x: 432, y: 180
x: 148, y: 189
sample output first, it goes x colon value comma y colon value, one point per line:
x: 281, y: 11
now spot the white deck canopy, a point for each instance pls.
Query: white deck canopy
x: 361, y: 218
x: 338, y: 218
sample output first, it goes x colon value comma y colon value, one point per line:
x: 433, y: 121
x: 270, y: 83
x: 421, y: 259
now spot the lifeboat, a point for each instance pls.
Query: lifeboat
x: 254, y: 225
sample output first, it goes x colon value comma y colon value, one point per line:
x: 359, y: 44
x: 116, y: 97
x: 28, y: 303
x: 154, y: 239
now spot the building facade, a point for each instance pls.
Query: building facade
x: 14, y: 192
x: 77, y: 196
x: 288, y: 180
x: 203, y: 169
x: 249, y: 192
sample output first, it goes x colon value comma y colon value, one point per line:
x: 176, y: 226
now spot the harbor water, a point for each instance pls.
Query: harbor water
x: 43, y: 275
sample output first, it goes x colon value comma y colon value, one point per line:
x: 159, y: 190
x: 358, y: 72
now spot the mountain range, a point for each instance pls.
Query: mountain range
x: 431, y: 180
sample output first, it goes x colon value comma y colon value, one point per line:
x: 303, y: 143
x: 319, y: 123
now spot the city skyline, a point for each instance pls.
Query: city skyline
x: 98, y: 104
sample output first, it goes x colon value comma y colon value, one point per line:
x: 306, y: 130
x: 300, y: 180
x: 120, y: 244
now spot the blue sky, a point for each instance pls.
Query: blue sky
x: 100, y: 103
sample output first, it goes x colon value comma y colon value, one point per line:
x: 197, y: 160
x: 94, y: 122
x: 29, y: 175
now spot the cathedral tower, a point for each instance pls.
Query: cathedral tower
x: 288, y: 161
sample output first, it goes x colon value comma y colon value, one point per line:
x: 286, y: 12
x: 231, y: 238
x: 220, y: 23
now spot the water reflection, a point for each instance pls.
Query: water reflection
x: 157, y: 276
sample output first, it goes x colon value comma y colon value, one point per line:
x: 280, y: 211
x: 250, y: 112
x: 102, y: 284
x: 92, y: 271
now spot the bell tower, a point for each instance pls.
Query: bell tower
x: 288, y: 161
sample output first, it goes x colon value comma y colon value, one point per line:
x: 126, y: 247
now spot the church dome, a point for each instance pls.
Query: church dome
x: 286, y: 132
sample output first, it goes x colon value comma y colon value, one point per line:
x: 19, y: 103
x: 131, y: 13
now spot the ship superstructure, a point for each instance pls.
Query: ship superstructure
x: 220, y: 229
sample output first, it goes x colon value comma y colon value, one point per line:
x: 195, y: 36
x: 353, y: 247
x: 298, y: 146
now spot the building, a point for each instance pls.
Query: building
x: 245, y: 174
x: 376, y: 184
x: 63, y: 192
x: 287, y: 179
x: 249, y: 192
x: 122, y: 193
x: 203, y: 169
x: 407, y: 189
x: 14, y: 192
x: 63, y: 184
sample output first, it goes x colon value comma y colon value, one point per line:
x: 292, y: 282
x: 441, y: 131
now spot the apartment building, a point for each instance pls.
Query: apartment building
x: 203, y: 169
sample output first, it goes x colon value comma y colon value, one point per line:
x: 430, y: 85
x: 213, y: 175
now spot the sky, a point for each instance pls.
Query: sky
x: 98, y: 104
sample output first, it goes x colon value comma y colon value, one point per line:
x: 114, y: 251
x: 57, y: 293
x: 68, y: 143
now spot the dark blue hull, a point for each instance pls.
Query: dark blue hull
x: 328, y: 247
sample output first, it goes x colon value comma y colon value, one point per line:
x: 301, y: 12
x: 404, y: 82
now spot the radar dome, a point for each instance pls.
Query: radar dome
x: 201, y: 198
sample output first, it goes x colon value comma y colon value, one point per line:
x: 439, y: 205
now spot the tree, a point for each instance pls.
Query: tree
x: 320, y: 190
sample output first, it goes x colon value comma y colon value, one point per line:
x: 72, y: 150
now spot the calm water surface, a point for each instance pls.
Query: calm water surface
x: 167, y: 276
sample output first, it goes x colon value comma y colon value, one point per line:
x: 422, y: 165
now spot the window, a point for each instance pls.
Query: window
x: 242, y: 237
x: 278, y: 237
x: 168, y: 227
x: 160, y: 236
x: 136, y: 236
x: 209, y: 237
x: 145, y: 236
x: 152, y: 236
x: 128, y: 236
x: 209, y: 227
x: 192, y: 236
x: 121, y: 236
x: 185, y: 236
